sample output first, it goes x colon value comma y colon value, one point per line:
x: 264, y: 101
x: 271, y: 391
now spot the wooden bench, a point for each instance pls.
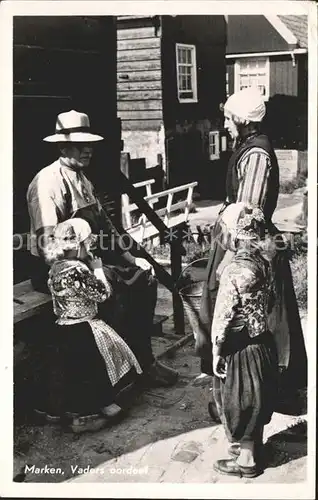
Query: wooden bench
x: 27, y: 302
x: 173, y: 214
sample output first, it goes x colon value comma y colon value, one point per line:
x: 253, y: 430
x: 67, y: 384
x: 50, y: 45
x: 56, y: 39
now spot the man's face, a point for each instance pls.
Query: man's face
x: 230, y: 126
x: 82, y: 152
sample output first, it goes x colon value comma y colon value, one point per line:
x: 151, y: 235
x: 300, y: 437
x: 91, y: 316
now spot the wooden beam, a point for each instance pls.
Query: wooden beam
x: 133, y: 33
x: 126, y: 187
x: 141, y: 75
x: 138, y: 55
x: 176, y: 268
x: 176, y: 189
x: 147, y: 184
x: 151, y: 115
x: 150, y: 231
x: 123, y: 86
x: 149, y: 105
x: 142, y: 124
x: 138, y: 95
x: 124, y: 163
x: 146, y: 65
x: 175, y: 346
x: 138, y: 43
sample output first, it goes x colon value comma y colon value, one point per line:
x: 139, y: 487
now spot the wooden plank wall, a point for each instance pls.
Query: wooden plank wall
x: 283, y: 76
x: 139, y: 82
x: 57, y: 65
x: 60, y: 63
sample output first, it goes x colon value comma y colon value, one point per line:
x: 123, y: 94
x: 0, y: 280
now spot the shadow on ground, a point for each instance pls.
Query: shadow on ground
x: 287, y: 445
x: 155, y: 414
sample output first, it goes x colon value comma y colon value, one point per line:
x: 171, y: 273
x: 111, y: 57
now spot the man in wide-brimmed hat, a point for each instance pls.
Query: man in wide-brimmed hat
x: 61, y: 191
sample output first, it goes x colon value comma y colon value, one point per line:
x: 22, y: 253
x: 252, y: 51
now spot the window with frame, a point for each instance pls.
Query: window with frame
x: 253, y: 72
x: 186, y: 73
x: 214, y: 145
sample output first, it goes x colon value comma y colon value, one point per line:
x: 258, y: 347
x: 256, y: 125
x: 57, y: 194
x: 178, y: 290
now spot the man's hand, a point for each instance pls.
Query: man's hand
x: 219, y: 366
x: 144, y: 264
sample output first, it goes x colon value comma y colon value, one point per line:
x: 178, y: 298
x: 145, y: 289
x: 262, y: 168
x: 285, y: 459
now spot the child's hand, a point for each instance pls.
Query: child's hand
x: 96, y: 263
x: 219, y: 366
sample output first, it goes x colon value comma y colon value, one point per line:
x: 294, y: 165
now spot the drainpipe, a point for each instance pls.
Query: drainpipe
x: 293, y: 58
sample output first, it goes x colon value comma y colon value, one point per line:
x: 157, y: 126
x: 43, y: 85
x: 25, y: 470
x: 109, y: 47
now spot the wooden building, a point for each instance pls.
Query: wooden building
x: 61, y: 63
x: 170, y: 83
x: 271, y: 52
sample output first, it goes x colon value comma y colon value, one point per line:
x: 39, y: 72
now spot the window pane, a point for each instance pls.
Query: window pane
x: 248, y: 65
x: 261, y: 63
x: 189, y: 59
x: 262, y: 89
x: 179, y: 54
x: 182, y: 82
x: 189, y: 83
x: 185, y: 67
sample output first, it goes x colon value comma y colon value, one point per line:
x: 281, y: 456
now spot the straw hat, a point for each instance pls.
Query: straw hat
x: 73, y: 126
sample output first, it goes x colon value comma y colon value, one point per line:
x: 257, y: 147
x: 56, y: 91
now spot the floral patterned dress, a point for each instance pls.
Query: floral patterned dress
x: 93, y: 358
x: 242, y: 300
x: 245, y: 398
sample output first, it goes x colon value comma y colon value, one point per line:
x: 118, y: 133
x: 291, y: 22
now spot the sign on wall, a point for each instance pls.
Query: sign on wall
x: 288, y: 163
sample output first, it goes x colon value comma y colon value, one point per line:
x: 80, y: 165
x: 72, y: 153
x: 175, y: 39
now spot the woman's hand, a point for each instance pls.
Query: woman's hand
x: 219, y: 366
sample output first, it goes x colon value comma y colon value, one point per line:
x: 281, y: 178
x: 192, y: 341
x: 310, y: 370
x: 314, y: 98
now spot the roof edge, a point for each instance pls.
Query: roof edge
x: 282, y: 29
x: 266, y: 54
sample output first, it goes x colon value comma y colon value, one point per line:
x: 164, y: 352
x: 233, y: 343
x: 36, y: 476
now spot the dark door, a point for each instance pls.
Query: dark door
x: 61, y: 63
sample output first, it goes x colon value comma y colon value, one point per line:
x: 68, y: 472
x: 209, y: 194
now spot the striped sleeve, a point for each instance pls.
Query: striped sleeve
x: 254, y: 169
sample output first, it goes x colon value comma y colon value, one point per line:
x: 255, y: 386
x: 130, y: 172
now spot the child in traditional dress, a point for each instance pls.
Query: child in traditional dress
x: 245, y: 363
x: 93, y: 360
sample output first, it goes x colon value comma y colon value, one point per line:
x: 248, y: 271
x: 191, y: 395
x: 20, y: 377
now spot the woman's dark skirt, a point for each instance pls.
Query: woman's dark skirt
x: 246, y: 397
x: 76, y: 378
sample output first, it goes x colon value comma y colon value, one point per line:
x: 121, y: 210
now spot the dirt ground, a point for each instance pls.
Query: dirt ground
x: 155, y: 414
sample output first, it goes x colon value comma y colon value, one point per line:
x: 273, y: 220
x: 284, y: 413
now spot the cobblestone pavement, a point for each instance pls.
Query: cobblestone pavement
x: 189, y: 457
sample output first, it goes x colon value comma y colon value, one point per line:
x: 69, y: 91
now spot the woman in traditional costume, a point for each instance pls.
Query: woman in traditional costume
x: 253, y: 177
